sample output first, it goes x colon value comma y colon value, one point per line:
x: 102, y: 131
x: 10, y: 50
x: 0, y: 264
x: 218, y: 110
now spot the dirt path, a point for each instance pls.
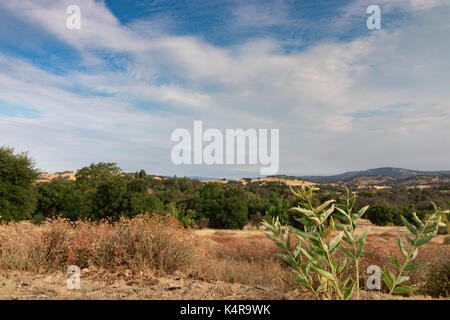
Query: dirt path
x: 25, y: 286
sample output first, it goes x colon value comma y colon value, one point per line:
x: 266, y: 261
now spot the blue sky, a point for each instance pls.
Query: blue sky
x: 344, y: 97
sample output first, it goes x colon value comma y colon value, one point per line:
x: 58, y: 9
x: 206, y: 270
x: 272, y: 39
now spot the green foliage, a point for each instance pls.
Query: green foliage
x: 277, y: 209
x: 96, y: 173
x: 17, y: 192
x: 38, y: 219
x: 312, y: 259
x: 235, y: 213
x: 383, y: 215
x: 53, y: 197
x: 420, y: 233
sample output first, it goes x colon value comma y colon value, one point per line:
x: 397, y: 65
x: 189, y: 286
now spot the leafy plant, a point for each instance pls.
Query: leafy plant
x: 420, y: 233
x: 312, y: 260
x: 348, y: 225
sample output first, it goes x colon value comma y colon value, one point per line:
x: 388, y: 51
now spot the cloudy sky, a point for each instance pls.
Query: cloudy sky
x: 343, y: 97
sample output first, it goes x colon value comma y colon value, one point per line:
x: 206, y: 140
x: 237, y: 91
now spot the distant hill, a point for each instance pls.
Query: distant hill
x: 203, y: 178
x: 385, y: 176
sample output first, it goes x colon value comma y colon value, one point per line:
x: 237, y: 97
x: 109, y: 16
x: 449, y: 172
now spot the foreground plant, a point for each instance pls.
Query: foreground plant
x: 348, y: 219
x: 421, y: 233
x: 312, y: 259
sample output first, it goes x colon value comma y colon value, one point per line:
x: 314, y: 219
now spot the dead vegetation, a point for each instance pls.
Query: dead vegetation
x: 156, y: 258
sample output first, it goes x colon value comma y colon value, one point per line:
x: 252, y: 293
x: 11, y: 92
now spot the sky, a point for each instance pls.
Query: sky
x: 343, y: 97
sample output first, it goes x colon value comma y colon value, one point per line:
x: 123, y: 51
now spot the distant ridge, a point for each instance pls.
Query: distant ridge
x: 384, y: 175
x: 384, y: 171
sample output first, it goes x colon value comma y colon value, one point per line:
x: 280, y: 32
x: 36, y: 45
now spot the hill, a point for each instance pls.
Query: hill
x: 386, y: 176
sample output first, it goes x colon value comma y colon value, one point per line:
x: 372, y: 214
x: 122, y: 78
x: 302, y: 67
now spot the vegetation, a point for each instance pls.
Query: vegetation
x: 421, y: 233
x: 17, y: 193
x: 109, y: 220
x: 437, y: 283
x: 313, y: 259
x: 103, y: 191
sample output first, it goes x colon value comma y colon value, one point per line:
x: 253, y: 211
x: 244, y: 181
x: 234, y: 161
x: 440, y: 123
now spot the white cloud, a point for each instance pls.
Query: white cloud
x: 261, y: 14
x: 169, y: 81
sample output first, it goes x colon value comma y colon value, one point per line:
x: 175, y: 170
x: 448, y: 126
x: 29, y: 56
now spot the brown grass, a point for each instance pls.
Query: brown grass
x: 161, y: 246
x: 144, y: 242
x: 245, y: 260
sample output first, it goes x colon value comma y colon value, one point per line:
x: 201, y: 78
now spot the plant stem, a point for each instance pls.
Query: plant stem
x: 335, y: 279
x: 355, y: 248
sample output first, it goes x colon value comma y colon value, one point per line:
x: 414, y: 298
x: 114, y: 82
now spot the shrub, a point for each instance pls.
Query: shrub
x: 447, y: 240
x: 437, y: 283
x: 256, y: 219
x: 38, y: 219
x: 203, y: 223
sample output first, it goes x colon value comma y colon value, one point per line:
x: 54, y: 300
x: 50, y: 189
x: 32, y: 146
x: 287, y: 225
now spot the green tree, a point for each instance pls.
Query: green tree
x: 213, y: 200
x: 17, y: 192
x: 95, y: 174
x: 53, y: 197
x: 380, y: 215
x: 108, y: 202
x: 277, y: 209
x: 235, y: 212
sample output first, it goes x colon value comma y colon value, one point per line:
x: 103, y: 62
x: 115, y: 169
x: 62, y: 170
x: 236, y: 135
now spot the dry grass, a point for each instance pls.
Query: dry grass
x: 247, y: 260
x: 161, y: 247
x: 158, y: 243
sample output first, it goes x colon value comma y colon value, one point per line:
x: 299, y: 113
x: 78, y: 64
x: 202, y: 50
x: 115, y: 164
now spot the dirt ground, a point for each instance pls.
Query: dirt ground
x: 25, y: 286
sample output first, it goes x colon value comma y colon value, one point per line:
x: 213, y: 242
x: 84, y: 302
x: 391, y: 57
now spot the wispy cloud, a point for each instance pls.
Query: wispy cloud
x: 131, y: 88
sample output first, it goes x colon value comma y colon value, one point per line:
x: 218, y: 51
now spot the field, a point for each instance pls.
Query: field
x: 121, y: 263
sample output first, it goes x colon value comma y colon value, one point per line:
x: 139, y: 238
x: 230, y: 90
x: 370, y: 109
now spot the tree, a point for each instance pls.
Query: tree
x: 17, y: 192
x: 108, y: 201
x: 278, y: 208
x: 97, y: 173
x: 235, y: 213
x: 380, y: 215
x: 53, y: 197
x: 213, y: 200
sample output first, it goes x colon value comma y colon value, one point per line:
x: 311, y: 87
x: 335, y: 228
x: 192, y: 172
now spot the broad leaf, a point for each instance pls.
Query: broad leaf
x: 322, y: 272
x: 363, y: 236
x: 395, y: 261
x: 415, y: 266
x: 349, y: 291
x: 403, y: 289
x: 424, y: 240
x: 409, y: 226
x: 347, y: 253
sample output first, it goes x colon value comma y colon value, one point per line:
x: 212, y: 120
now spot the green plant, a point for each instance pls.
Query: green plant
x: 38, y: 219
x: 312, y: 257
x: 348, y: 219
x: 312, y: 260
x: 421, y: 233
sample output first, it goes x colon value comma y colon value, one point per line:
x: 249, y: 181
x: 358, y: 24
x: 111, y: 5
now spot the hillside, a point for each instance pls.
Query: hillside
x: 386, y: 176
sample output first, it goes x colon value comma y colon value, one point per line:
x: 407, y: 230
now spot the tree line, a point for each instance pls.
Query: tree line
x: 102, y: 191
